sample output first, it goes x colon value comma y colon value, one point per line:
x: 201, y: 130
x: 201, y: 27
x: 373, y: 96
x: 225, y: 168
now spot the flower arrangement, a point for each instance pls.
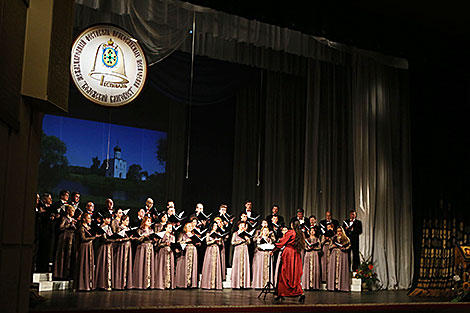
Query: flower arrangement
x: 366, y: 274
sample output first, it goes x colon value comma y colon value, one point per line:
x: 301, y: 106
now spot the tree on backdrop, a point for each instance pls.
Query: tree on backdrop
x: 53, y: 164
x: 135, y: 172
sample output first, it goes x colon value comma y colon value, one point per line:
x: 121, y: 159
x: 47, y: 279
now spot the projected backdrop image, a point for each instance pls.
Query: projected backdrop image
x: 102, y: 160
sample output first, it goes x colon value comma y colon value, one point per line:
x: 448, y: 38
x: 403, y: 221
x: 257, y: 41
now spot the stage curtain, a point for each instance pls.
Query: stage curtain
x: 382, y: 173
x: 335, y: 140
x: 162, y: 26
x: 328, y: 169
x: 175, y: 166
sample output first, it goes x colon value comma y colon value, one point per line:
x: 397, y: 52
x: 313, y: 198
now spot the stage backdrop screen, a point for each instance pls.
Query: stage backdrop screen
x: 102, y: 160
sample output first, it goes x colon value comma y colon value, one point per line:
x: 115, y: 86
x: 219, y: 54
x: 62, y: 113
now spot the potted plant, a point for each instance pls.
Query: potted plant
x: 366, y: 273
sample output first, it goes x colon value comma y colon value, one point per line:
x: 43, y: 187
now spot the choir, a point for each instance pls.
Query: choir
x: 107, y: 250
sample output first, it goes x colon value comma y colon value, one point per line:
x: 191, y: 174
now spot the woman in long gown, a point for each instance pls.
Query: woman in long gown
x: 123, y: 257
x: 65, y: 256
x: 85, y: 266
x: 144, y: 271
x: 116, y: 220
x: 311, y: 278
x: 165, y: 262
x: 186, y: 262
x: 289, y: 284
x: 339, y: 277
x: 212, y: 265
x: 325, y: 258
x: 160, y: 226
x: 262, y: 259
x: 225, y: 238
x: 104, y: 262
x: 241, y: 276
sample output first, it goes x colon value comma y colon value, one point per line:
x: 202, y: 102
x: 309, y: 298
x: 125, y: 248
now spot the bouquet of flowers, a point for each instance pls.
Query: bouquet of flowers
x: 366, y: 274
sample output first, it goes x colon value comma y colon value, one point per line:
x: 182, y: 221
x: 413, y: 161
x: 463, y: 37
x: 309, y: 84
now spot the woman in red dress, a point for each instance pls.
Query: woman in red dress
x: 290, y: 274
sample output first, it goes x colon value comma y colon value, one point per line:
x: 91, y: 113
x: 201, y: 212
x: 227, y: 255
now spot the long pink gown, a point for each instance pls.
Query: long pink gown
x: 104, y: 262
x: 165, y: 264
x: 123, y: 261
x: 65, y: 255
x: 186, y: 265
x: 212, y: 267
x: 339, y: 277
x: 85, y: 265
x: 144, y: 262
x: 311, y: 278
x: 241, y: 276
x: 261, y: 263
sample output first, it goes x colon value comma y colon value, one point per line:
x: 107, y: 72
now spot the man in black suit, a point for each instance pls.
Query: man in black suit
x: 353, y: 228
x: 58, y: 207
x: 328, y: 220
x: 303, y: 221
x: 275, y: 211
x: 249, y: 209
x: 137, y: 221
x: 109, y: 209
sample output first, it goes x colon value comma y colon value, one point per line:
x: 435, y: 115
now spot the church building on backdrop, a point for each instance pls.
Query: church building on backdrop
x: 117, y: 166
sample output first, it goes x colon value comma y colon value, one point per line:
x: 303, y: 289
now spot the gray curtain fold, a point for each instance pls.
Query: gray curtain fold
x: 382, y: 177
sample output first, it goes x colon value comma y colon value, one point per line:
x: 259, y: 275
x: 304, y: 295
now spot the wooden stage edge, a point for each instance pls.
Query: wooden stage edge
x: 234, y: 301
x: 366, y: 307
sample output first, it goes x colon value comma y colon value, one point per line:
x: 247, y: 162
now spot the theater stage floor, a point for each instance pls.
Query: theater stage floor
x: 229, y: 300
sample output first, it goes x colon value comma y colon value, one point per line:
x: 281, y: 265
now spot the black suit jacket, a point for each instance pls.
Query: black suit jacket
x: 354, y: 230
x: 280, y: 222
x: 333, y: 221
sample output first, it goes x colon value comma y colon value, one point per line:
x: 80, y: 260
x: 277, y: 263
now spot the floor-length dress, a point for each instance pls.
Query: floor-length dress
x: 123, y: 262
x: 144, y: 262
x: 212, y: 268
x: 311, y: 278
x: 339, y: 277
x: 104, y: 262
x: 241, y: 276
x: 325, y: 259
x: 289, y: 284
x: 65, y: 254
x: 262, y: 274
x: 85, y: 265
x: 186, y: 265
x: 165, y: 264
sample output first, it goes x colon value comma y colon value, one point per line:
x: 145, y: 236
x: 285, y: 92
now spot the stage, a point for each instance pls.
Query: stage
x: 228, y: 300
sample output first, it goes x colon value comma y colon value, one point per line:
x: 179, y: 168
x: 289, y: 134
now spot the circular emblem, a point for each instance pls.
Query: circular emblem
x: 108, y: 65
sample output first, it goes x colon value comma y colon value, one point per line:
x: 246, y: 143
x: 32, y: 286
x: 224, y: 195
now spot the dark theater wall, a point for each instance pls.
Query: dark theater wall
x: 20, y: 131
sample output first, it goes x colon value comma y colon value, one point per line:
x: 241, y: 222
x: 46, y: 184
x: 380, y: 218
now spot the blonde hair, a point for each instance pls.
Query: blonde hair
x: 343, y: 239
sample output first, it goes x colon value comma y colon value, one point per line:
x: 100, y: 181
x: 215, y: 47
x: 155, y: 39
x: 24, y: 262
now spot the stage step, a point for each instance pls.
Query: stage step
x: 39, y: 277
x: 52, y: 285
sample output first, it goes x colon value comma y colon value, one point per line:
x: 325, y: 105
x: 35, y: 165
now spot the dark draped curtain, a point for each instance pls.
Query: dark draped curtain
x: 328, y: 183
x: 268, y: 158
x: 335, y: 140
